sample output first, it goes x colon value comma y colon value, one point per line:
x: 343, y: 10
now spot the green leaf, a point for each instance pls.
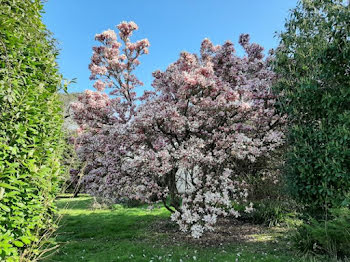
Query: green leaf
x: 25, y: 240
x: 18, y: 243
x: 8, y: 186
x: 5, y: 208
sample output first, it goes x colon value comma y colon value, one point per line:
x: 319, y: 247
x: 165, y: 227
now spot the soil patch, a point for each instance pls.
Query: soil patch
x: 226, y: 231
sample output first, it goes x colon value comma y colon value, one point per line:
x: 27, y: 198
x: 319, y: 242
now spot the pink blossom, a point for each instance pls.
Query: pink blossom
x: 108, y: 35
x: 98, y: 70
x: 99, y: 85
x: 126, y: 29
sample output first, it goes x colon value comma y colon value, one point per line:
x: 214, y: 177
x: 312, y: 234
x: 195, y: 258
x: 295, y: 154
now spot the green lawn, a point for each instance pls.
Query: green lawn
x: 139, y: 234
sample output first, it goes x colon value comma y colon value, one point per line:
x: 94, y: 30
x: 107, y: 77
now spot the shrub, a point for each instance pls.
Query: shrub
x: 270, y: 212
x: 331, y: 236
x: 30, y: 128
x: 313, y: 65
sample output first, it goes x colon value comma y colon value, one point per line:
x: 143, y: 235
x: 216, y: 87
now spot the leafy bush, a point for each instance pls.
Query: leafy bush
x: 313, y: 64
x: 331, y: 237
x: 30, y: 129
x: 270, y: 212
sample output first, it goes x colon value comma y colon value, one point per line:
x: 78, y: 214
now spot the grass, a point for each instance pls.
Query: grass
x: 130, y: 234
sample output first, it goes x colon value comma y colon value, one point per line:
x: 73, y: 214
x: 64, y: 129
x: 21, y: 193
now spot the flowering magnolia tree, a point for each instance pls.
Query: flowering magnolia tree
x: 192, y: 142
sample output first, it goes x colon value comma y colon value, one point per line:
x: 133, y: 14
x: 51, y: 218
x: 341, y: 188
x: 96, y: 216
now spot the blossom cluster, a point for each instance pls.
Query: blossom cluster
x: 189, y: 142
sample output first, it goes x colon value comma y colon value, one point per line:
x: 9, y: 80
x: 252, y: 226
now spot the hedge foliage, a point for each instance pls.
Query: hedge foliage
x: 30, y: 128
x: 313, y: 63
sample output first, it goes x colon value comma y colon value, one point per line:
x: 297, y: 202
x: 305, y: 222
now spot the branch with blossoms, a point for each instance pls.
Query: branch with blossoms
x: 112, y: 64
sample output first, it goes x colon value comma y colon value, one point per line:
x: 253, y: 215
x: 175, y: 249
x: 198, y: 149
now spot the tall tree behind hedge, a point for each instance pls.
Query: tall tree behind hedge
x: 313, y: 62
x: 30, y: 127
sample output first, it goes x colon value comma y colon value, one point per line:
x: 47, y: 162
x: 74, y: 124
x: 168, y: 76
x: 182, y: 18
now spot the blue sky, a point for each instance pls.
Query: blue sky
x: 170, y: 26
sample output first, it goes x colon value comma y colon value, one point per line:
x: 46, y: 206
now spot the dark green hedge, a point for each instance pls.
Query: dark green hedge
x: 30, y: 128
x: 313, y: 63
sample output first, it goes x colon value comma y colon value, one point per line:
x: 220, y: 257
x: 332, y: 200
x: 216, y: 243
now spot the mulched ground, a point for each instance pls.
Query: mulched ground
x: 226, y: 231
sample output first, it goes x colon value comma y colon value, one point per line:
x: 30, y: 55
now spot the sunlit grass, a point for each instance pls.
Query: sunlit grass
x: 125, y: 234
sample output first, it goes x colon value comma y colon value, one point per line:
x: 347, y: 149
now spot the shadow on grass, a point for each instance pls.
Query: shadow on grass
x: 139, y: 234
x: 70, y: 195
x: 107, y: 225
x: 80, y: 221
